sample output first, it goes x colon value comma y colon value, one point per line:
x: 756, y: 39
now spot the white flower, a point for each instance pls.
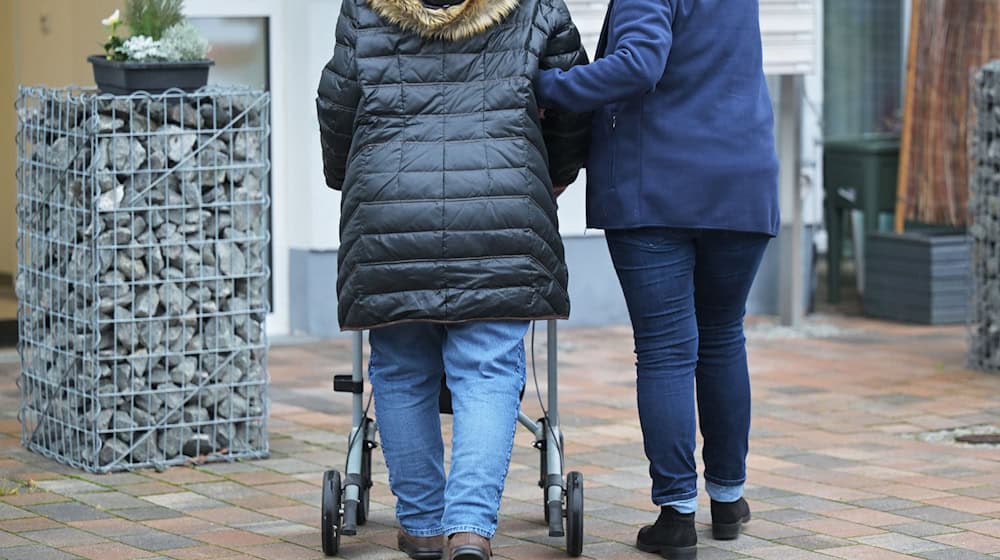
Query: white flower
x: 142, y: 48
x: 113, y: 20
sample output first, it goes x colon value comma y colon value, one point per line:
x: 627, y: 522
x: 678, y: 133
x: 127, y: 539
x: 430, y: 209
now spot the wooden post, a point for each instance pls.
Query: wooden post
x: 903, y: 181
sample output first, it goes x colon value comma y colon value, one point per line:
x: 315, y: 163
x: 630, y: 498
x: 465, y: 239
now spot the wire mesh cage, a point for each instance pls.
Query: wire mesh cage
x: 143, y: 276
x: 984, y: 205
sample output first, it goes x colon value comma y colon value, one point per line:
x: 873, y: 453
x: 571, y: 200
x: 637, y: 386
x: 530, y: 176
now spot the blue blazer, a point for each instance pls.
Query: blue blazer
x: 683, y: 130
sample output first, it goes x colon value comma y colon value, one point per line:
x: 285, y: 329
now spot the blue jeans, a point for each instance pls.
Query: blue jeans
x: 484, y: 365
x: 686, y: 292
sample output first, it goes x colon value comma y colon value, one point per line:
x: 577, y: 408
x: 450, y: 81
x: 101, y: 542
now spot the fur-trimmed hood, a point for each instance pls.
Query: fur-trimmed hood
x: 453, y: 23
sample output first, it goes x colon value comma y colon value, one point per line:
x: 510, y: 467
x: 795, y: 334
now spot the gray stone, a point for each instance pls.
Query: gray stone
x: 246, y: 146
x: 103, y: 124
x: 146, y: 304
x: 172, y: 395
x: 174, y: 300
x: 159, y: 375
x: 185, y: 114
x: 199, y: 294
x: 146, y: 451
x: 127, y: 154
x: 183, y: 373
x: 122, y: 422
x: 215, y: 195
x: 219, y: 223
x: 106, y: 395
x: 210, y: 395
x: 196, y: 415
x: 151, y: 333
x: 173, y: 440
x: 187, y: 259
x: 156, y: 261
x: 101, y: 159
x: 157, y: 160
x: 142, y: 418
x: 219, y: 333
x: 171, y: 273
x: 146, y: 408
x: 59, y: 154
x: 132, y: 269
x: 212, y: 166
x: 180, y: 143
x: 110, y: 200
x: 199, y: 444
x: 196, y: 344
x: 232, y: 261
x: 103, y: 421
x: 233, y: 406
x: 239, y: 308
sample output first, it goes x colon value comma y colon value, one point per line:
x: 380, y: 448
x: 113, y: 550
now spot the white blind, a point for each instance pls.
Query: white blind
x: 788, y: 29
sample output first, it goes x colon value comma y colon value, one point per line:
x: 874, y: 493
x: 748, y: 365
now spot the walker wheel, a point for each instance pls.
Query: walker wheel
x: 574, y: 514
x: 330, y: 521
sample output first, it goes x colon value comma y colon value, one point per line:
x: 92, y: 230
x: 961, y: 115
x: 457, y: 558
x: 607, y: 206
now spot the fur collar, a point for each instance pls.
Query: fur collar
x: 455, y: 23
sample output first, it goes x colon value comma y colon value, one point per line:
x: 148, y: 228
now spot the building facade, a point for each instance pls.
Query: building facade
x: 281, y: 46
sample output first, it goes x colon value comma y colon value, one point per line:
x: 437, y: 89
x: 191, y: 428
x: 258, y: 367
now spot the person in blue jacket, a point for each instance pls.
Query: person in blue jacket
x: 683, y: 176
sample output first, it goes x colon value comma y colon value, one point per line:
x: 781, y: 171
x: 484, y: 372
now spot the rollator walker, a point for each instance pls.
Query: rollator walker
x: 346, y: 500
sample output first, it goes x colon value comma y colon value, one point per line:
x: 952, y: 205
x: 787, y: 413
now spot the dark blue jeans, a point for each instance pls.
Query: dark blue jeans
x: 686, y: 291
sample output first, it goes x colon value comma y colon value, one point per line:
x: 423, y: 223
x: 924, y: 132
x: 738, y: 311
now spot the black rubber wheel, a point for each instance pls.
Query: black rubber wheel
x: 366, y: 477
x: 330, y: 521
x: 574, y: 514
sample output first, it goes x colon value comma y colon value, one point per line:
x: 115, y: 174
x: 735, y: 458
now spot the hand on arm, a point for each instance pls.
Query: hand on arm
x: 642, y: 29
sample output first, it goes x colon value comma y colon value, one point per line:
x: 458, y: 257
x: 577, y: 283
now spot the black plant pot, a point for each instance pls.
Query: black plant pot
x: 123, y: 78
x: 918, y: 277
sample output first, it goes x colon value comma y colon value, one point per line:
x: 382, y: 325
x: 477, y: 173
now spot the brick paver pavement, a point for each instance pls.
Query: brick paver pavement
x: 836, y: 468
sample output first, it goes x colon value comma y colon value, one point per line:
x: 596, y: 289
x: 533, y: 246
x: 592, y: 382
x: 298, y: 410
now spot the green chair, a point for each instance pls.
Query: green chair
x: 858, y: 174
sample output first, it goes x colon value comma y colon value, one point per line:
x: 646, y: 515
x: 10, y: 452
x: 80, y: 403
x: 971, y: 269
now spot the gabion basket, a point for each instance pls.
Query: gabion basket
x: 984, y: 203
x: 142, y: 276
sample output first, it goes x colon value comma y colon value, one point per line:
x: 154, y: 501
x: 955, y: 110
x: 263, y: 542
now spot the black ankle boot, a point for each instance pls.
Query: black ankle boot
x: 672, y: 536
x: 728, y: 519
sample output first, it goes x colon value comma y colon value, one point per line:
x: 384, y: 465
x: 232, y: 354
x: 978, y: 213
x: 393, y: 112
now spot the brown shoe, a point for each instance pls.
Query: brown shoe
x: 468, y: 546
x: 421, y: 548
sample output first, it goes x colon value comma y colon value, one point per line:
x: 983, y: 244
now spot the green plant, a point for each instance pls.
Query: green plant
x: 114, y: 44
x: 152, y: 18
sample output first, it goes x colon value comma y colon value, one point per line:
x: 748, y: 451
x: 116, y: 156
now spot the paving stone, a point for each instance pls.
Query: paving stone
x: 940, y: 515
x: 814, y: 542
x: 70, y: 486
x: 8, y: 540
x: 955, y: 554
x: 68, y: 511
x: 11, y: 512
x: 158, y: 541
x: 922, y: 529
x: 183, y: 501
x: 59, y: 538
x: 888, y: 504
x: 785, y: 515
x: 35, y: 552
x: 111, y: 500
x: 901, y: 543
x: 147, y: 513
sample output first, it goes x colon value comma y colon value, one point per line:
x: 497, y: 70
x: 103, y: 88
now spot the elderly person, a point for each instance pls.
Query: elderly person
x: 450, y: 240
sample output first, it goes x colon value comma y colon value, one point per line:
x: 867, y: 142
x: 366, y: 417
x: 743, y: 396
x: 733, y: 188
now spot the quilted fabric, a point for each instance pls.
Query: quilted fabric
x: 445, y: 167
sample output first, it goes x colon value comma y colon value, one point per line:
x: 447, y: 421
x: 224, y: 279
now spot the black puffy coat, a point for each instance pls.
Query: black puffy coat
x: 429, y: 126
